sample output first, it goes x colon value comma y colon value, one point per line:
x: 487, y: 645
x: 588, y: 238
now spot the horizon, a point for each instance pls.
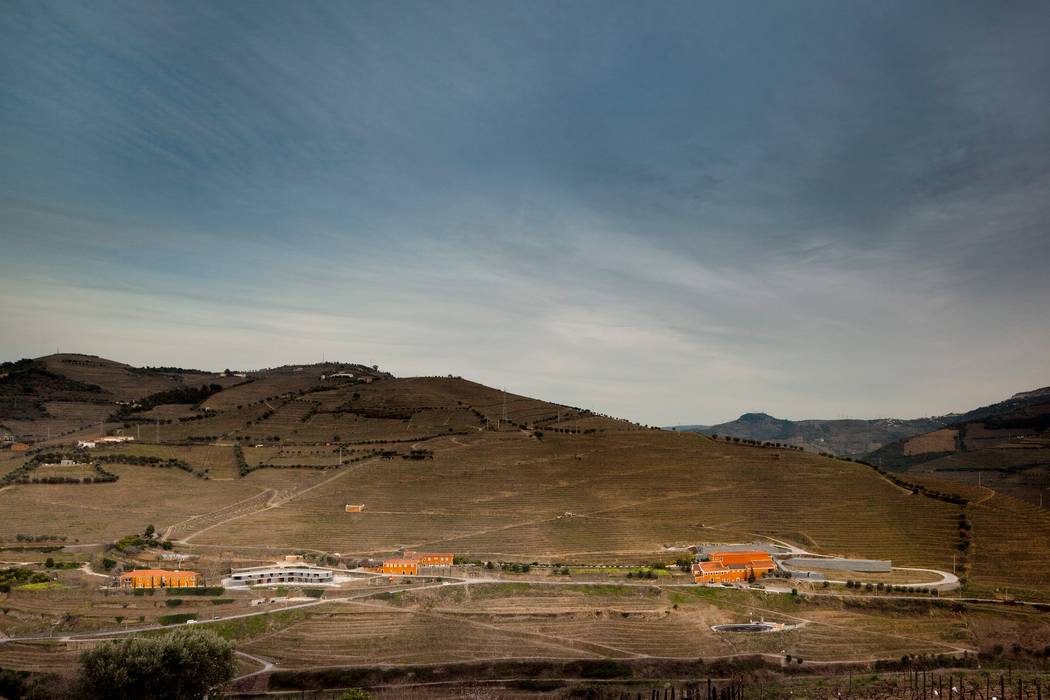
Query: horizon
x: 512, y: 390
x: 676, y: 214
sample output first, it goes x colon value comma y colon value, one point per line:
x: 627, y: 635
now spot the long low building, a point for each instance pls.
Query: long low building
x: 160, y: 578
x: 417, y: 563
x: 265, y: 575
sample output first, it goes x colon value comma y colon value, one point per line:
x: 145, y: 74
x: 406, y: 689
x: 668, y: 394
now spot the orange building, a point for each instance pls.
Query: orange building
x: 400, y: 567
x: 160, y: 578
x: 19, y: 447
x: 411, y: 563
x: 714, y: 572
x: 733, y: 566
x: 355, y: 508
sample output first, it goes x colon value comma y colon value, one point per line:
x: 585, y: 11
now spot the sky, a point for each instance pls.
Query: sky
x: 669, y: 212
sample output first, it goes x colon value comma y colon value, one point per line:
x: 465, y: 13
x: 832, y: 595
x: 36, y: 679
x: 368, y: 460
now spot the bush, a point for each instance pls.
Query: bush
x: 173, y: 602
x: 176, y: 619
x: 180, y: 664
x: 201, y: 590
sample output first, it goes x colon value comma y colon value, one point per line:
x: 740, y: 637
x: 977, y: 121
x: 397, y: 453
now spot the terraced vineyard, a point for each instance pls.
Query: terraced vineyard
x: 444, y: 464
x: 591, y: 498
x: 519, y: 621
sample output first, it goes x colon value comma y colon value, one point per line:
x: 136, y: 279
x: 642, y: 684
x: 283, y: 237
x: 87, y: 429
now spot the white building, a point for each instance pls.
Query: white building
x: 278, y: 573
x: 86, y: 444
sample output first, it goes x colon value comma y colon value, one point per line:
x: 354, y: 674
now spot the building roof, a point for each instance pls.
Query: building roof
x: 710, y: 567
x: 399, y: 562
x: 281, y: 566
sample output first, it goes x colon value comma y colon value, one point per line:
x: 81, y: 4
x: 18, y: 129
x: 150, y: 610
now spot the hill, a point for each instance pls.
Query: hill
x: 563, y: 508
x: 847, y: 437
x: 1006, y: 445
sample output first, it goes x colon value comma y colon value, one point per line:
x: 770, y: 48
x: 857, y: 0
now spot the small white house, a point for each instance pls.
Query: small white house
x: 86, y: 444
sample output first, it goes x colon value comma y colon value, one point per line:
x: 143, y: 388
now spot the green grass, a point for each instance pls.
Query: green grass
x: 42, y: 586
x: 256, y: 625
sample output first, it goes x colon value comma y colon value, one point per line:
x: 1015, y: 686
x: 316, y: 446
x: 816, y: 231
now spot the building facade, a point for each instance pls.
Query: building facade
x: 160, y: 578
x: 266, y: 575
x: 400, y: 567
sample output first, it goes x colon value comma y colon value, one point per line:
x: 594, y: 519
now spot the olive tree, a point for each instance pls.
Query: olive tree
x: 181, y: 664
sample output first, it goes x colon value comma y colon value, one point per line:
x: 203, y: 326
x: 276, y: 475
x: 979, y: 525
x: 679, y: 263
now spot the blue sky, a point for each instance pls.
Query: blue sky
x: 672, y: 212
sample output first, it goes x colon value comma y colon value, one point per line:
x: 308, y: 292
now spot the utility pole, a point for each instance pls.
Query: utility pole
x: 158, y: 430
x: 504, y: 404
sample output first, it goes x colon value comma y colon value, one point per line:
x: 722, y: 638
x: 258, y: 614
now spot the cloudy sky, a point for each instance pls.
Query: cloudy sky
x: 672, y: 212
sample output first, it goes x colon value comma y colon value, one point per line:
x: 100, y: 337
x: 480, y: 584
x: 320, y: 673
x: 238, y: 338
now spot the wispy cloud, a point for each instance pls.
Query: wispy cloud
x: 673, y: 213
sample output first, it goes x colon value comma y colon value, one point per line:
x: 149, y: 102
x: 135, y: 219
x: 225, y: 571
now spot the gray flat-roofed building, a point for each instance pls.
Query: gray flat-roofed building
x: 263, y: 575
x: 866, y: 565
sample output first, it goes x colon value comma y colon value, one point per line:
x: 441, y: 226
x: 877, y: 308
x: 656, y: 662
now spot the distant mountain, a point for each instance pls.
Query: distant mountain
x: 1013, y: 433
x: 847, y: 437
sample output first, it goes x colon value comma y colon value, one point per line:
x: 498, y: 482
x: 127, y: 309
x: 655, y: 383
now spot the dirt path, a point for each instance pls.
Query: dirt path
x: 276, y: 500
x: 170, y: 529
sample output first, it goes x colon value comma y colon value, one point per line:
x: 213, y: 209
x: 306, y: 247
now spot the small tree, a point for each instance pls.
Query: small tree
x: 150, y: 530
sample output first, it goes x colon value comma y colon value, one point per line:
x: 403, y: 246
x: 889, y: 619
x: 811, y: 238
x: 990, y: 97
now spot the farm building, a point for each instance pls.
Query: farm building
x: 86, y: 444
x: 160, y: 578
x: 114, y: 439
x: 278, y: 573
x: 733, y: 566
x: 359, y: 508
x: 19, y: 447
x: 400, y: 567
x: 414, y: 563
x: 713, y: 572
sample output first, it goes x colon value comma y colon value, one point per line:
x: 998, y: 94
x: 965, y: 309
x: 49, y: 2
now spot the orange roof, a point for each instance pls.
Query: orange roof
x: 739, y: 556
x: 418, y: 555
x: 399, y: 562
x: 157, y: 572
x: 710, y: 567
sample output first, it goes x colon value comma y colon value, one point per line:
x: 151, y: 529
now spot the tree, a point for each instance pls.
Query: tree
x: 182, y: 664
x: 150, y: 530
x: 49, y: 563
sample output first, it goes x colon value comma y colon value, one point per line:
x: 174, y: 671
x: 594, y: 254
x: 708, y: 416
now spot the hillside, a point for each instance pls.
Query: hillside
x: 1005, y: 445
x: 847, y: 437
x: 556, y: 509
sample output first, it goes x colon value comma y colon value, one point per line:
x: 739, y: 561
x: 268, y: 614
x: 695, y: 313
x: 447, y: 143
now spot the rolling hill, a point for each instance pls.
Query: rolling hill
x: 238, y: 469
x: 846, y: 437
